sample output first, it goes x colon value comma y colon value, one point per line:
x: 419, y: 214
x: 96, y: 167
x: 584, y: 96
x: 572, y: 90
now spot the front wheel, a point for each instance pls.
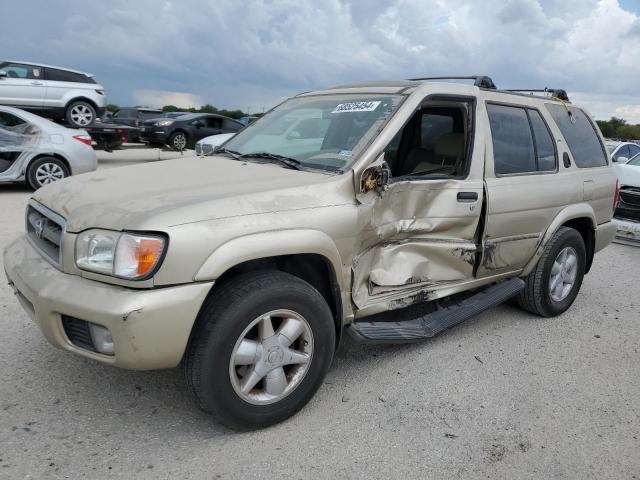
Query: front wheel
x: 554, y: 283
x: 263, y: 345
x: 178, y: 141
x: 46, y: 170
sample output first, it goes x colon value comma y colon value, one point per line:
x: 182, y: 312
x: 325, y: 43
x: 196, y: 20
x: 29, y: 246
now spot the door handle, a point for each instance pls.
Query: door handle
x: 37, y: 83
x: 469, y: 197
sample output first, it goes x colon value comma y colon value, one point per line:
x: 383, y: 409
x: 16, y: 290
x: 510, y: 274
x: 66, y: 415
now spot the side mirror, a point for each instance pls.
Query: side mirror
x: 375, y: 178
x: 3, y: 74
x: 621, y: 159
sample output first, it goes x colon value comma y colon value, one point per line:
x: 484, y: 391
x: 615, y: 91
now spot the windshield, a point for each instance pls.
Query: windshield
x: 326, y: 132
x: 635, y: 161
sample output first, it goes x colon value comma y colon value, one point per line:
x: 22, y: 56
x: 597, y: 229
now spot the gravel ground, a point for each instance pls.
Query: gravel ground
x: 505, y: 395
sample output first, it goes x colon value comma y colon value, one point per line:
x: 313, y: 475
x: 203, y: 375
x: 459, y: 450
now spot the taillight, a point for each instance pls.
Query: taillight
x: 616, y: 197
x: 86, y: 139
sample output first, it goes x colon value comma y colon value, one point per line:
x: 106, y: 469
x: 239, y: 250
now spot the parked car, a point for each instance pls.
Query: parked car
x: 627, y: 213
x: 207, y: 145
x: 247, y: 119
x: 52, y: 92
x: 38, y: 151
x: 184, y: 131
x: 621, y: 152
x: 246, y: 267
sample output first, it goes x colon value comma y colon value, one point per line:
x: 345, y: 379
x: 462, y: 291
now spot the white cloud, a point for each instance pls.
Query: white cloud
x: 159, y: 98
x: 255, y: 53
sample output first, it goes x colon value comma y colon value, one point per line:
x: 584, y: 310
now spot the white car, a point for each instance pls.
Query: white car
x: 53, y: 92
x: 627, y: 214
x: 38, y: 151
x: 621, y: 152
x: 206, y: 145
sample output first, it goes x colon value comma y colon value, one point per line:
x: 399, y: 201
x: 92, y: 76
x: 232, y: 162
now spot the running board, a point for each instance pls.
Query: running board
x: 430, y: 325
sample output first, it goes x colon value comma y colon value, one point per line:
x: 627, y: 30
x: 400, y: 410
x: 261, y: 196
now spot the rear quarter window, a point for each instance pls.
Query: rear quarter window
x: 580, y: 134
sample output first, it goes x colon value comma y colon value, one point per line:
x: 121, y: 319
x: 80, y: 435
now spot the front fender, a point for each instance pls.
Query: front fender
x: 578, y: 210
x: 271, y: 244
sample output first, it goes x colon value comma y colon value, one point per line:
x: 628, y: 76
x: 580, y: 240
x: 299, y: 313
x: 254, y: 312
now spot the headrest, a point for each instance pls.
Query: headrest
x: 449, y: 145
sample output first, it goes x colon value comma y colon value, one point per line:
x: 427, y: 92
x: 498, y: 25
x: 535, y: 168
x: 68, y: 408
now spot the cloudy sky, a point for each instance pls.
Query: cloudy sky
x: 252, y: 54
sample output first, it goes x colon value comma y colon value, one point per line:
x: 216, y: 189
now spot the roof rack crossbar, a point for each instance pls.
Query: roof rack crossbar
x: 556, y: 92
x: 481, y: 81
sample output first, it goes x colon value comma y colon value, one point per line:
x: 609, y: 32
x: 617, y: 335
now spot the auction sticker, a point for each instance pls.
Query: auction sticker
x: 356, y: 107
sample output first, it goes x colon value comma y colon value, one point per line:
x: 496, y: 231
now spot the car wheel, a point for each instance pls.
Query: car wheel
x: 80, y: 114
x: 178, y: 141
x: 45, y: 170
x: 262, y: 347
x: 554, y: 283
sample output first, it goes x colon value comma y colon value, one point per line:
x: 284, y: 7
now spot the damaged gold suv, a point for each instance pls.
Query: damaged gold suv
x: 390, y: 211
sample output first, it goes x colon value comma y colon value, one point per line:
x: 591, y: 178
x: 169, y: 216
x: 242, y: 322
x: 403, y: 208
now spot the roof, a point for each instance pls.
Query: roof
x: 36, y: 64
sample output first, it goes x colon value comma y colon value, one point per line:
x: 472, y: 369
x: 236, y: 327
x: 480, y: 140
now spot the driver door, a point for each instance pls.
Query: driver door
x: 421, y: 235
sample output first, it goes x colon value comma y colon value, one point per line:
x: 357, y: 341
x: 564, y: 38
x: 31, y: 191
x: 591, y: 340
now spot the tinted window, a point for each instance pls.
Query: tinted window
x: 580, y: 134
x: 9, y: 120
x: 512, y: 141
x: 56, y: 75
x: 545, y: 148
x: 212, y: 122
x: 633, y: 150
x: 635, y: 161
x: 18, y: 70
x: 623, y: 151
x: 232, y: 126
x: 147, y: 114
x: 126, y: 113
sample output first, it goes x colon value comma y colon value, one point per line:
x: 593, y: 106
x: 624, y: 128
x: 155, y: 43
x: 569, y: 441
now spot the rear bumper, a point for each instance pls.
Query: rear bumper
x: 150, y: 328
x: 604, y: 235
x: 628, y: 232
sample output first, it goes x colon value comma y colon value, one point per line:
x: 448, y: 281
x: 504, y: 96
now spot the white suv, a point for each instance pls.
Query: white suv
x: 52, y: 92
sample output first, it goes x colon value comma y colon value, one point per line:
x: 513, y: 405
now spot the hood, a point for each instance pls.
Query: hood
x: 161, y: 194
x: 628, y: 175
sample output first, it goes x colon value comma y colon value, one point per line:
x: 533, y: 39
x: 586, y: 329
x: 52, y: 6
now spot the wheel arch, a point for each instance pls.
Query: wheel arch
x: 47, y: 154
x: 80, y: 99
x: 307, y: 254
x: 580, y: 217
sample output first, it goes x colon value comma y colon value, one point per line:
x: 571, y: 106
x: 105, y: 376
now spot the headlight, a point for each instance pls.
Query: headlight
x: 164, y: 123
x: 125, y: 255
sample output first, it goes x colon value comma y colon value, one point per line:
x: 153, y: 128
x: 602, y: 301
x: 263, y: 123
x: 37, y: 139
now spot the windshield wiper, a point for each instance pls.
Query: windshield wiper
x: 286, y: 161
x: 231, y: 153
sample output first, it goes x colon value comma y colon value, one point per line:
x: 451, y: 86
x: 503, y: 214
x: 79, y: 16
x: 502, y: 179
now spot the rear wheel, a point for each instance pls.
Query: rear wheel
x: 554, y: 283
x: 262, y: 347
x: 80, y: 114
x: 46, y: 170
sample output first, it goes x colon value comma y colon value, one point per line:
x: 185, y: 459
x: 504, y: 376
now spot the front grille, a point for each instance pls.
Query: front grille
x: 78, y: 333
x: 629, y: 204
x: 44, y: 230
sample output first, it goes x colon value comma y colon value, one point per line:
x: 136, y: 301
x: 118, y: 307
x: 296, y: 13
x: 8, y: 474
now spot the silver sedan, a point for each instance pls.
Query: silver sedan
x: 38, y: 151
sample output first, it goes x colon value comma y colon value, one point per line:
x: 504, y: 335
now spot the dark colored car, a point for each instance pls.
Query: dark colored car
x: 184, y: 131
x: 175, y: 114
x: 133, y: 117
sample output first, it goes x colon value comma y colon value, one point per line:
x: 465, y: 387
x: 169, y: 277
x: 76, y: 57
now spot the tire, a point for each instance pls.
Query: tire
x: 80, y: 114
x: 46, y: 170
x: 537, y: 296
x: 222, y: 325
x: 178, y: 141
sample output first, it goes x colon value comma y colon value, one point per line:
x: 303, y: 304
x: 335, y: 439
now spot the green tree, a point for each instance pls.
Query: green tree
x: 112, y: 108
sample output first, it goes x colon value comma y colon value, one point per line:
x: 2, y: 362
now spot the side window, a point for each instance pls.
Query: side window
x: 513, y: 150
x: 545, y: 147
x: 580, y: 134
x: 231, y: 126
x: 146, y: 114
x: 9, y: 120
x: 18, y: 70
x: 432, y: 127
x: 57, y: 75
x: 212, y: 122
x: 633, y: 150
x: 623, y: 151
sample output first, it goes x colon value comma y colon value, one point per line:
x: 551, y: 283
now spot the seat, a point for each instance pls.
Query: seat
x: 448, y: 152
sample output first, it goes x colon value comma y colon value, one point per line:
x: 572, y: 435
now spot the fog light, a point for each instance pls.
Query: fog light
x: 102, y: 340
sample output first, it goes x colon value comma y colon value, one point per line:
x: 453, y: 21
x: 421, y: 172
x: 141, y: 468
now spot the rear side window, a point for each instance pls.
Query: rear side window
x: 57, y: 75
x: 231, y: 126
x: 580, y: 134
x: 9, y: 120
x: 522, y: 142
x: 512, y: 140
x: 147, y: 114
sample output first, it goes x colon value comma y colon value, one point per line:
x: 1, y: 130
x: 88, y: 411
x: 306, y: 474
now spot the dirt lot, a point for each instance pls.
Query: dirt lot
x: 506, y: 395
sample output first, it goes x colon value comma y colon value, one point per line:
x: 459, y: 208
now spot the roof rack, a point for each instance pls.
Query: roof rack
x: 481, y: 81
x: 556, y: 92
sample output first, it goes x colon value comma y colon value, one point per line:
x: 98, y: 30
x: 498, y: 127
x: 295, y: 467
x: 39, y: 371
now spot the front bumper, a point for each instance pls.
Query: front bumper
x: 628, y: 232
x: 150, y: 328
x: 153, y: 135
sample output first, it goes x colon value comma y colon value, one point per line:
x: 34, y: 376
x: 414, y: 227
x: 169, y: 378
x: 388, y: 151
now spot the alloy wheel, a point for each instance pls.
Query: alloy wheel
x: 48, y: 173
x: 271, y: 357
x: 563, y: 274
x: 81, y: 115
